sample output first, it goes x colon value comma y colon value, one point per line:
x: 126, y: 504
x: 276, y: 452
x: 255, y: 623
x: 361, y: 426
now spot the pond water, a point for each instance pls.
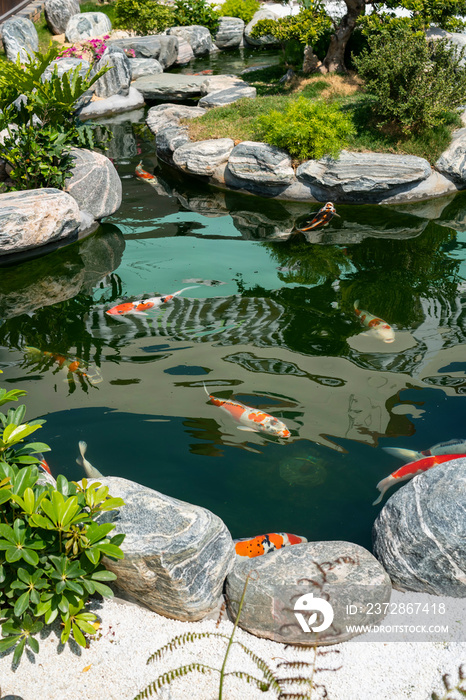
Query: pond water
x: 270, y: 323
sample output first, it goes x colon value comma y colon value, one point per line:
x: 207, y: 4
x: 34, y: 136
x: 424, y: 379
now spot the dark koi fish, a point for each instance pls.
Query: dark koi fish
x: 320, y: 218
x: 262, y: 544
x: 408, y: 471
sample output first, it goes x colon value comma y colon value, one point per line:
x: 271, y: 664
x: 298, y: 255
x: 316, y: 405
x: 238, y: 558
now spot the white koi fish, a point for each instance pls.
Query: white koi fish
x: 377, y: 326
x: 91, y: 471
x: 452, y: 447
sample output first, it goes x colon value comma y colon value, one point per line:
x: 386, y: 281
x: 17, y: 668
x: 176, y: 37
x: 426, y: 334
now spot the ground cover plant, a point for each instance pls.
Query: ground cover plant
x: 244, y: 9
x: 143, y: 16
x: 51, y: 546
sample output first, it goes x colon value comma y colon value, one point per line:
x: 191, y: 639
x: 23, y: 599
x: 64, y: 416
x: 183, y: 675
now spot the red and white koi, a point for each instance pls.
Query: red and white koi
x: 452, y: 447
x: 408, y: 471
x: 263, y: 544
x: 320, y: 218
x: 252, y: 419
x: 377, y: 326
x: 142, y: 305
x: 71, y: 366
x: 144, y: 175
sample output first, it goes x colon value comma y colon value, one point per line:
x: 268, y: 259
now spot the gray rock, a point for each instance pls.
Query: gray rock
x: 197, y: 37
x: 113, y: 105
x: 118, y: 79
x: 436, y: 185
x: 161, y: 116
x: 32, y: 218
x: 420, y: 534
x: 63, y: 65
x: 267, y: 40
x: 215, y: 83
x: 87, y: 25
x: 59, y: 12
x: 177, y: 555
x: 342, y: 573
x: 202, y: 157
x: 355, y: 173
x: 144, y: 66
x: 229, y: 33
x: 457, y: 39
x: 185, y: 52
x: 228, y: 96
x: 258, y: 163
x: 163, y: 48
x: 169, y: 139
x: 169, y: 86
x: 452, y: 162
x: 94, y: 183
x: 19, y: 36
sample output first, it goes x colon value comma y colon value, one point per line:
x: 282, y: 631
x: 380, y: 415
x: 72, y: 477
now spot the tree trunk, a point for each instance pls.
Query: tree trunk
x: 335, y: 58
x: 310, y: 63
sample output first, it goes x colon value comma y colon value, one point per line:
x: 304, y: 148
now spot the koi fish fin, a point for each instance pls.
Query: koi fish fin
x: 137, y: 313
x: 246, y: 430
x: 91, y: 471
x: 377, y: 501
x: 356, y: 304
x: 402, y: 453
x: 383, y: 486
x: 205, y: 389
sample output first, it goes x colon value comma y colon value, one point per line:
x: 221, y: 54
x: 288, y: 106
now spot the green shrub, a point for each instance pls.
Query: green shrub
x: 244, y: 9
x: 199, y: 12
x: 50, y: 545
x: 415, y: 81
x: 424, y: 13
x: 306, y: 129
x: 143, y: 16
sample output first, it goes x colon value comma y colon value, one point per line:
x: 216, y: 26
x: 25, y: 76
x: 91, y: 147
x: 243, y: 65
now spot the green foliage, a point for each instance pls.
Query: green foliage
x: 199, y: 12
x: 307, y: 129
x: 415, y: 82
x: 441, y: 13
x: 143, y: 16
x: 244, y: 9
x: 50, y: 543
x: 455, y: 690
x: 309, y: 26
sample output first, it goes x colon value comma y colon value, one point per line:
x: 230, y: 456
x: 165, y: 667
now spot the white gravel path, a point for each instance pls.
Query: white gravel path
x: 114, y: 666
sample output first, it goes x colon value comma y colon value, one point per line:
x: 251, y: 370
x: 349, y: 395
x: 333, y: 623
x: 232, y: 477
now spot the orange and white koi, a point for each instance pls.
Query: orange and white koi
x: 43, y: 464
x: 452, y: 447
x: 252, y: 419
x: 262, y: 544
x: 143, y: 174
x: 71, y: 365
x: 142, y: 305
x: 320, y: 218
x: 377, y: 326
x: 408, y: 471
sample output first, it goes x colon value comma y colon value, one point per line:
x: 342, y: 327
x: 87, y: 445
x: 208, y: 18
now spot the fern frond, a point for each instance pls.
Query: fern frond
x: 294, y: 696
x: 300, y: 680
x: 261, y: 684
x: 261, y: 665
x: 296, y: 664
x: 181, y: 640
x: 169, y: 676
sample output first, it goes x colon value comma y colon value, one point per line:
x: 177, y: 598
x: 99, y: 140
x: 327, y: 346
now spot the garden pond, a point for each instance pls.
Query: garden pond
x: 270, y: 322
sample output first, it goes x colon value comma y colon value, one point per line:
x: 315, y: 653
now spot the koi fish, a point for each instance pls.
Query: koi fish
x: 263, y: 544
x: 143, y: 174
x: 451, y: 447
x: 253, y: 420
x: 412, y: 469
x: 91, y: 471
x: 72, y: 365
x: 139, y: 307
x: 43, y: 464
x: 377, y: 326
x: 320, y: 218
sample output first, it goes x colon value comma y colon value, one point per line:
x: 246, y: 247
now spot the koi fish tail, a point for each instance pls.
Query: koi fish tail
x: 383, y: 486
x: 180, y: 291
x: 91, y: 471
x: 205, y: 389
x: 402, y: 453
x: 356, y: 306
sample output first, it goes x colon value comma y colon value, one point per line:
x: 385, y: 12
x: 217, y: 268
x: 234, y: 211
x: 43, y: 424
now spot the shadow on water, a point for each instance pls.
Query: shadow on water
x: 270, y: 323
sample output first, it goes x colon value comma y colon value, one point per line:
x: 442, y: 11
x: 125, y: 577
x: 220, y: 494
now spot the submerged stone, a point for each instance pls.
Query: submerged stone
x: 303, y: 471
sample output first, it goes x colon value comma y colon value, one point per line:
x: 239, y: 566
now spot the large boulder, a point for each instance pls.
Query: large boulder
x: 59, y: 12
x: 268, y: 39
x: 63, y: 65
x: 162, y: 116
x: 420, y: 534
x: 163, y: 48
x: 19, y: 37
x: 169, y: 86
x: 144, y: 66
x: 452, y: 162
x: 33, y: 218
x: 197, y: 37
x: 202, y: 157
x: 331, y: 575
x: 94, y: 183
x: 364, y: 172
x: 255, y: 163
x: 229, y: 34
x: 185, y: 52
x: 87, y: 25
x: 169, y: 139
x: 118, y: 79
x: 116, y: 104
x: 177, y: 555
x: 221, y: 98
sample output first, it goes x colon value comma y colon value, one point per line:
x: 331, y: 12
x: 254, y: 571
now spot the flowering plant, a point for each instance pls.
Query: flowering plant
x: 91, y: 50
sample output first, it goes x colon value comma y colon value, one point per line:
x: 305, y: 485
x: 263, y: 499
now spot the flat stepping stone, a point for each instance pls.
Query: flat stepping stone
x: 221, y: 98
x: 168, y: 86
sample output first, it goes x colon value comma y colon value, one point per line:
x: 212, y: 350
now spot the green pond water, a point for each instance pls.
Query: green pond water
x: 270, y: 323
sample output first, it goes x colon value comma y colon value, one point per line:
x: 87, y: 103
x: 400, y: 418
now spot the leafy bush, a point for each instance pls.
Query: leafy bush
x: 143, y: 16
x: 308, y: 26
x: 199, y: 12
x: 415, y: 81
x: 244, y: 9
x: 441, y: 13
x: 50, y: 545
x: 306, y: 129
